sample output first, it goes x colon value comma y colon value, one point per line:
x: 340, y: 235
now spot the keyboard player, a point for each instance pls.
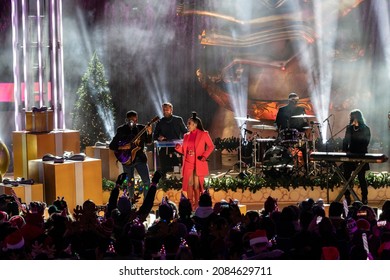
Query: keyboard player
x: 356, y: 140
x: 169, y: 128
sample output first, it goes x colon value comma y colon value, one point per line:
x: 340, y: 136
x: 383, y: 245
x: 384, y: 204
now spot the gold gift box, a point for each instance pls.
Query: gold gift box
x: 76, y: 181
x: 26, y: 193
x: 39, y: 121
x: 111, y: 168
x: 28, y: 146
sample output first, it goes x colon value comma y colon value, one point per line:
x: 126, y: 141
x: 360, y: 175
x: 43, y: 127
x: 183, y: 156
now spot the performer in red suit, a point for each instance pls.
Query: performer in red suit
x: 196, y: 148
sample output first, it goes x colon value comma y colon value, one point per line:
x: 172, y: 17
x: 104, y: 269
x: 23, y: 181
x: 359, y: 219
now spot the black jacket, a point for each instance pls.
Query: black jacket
x: 171, y: 128
x: 284, y: 120
x: 126, y: 134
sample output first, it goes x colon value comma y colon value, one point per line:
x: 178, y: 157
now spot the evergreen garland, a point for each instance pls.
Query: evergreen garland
x: 255, y: 183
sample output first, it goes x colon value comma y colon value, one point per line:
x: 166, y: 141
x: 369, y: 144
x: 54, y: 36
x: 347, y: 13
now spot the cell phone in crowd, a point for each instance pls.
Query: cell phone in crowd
x: 362, y: 213
x: 381, y: 223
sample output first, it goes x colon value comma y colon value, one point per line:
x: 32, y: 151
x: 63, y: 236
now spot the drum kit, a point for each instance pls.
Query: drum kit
x: 287, y: 154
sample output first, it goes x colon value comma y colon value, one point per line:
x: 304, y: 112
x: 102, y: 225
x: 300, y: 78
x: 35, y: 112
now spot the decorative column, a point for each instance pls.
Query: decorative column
x: 37, y: 58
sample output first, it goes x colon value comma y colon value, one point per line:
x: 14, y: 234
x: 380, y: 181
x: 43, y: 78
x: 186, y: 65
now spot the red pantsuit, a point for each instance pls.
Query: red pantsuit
x: 195, y: 146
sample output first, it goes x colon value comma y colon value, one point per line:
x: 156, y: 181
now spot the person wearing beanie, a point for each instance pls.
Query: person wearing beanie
x: 3, y: 216
x: 52, y: 209
x: 17, y: 221
x: 330, y: 253
x: 261, y: 247
x: 14, y: 240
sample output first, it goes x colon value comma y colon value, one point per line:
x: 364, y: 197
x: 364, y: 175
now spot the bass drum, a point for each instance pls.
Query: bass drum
x: 278, y: 157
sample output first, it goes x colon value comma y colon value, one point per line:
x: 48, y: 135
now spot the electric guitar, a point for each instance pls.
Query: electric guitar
x: 127, y: 156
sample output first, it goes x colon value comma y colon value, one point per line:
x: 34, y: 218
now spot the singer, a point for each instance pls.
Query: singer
x: 196, y: 148
x: 356, y: 140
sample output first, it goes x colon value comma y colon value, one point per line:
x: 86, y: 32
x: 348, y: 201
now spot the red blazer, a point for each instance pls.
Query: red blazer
x: 204, y: 146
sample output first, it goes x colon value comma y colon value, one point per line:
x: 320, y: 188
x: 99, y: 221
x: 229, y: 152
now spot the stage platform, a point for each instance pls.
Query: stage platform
x: 255, y: 201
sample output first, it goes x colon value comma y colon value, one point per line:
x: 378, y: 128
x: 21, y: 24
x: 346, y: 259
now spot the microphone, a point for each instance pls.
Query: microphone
x: 200, y: 158
x: 248, y: 131
x: 327, y: 118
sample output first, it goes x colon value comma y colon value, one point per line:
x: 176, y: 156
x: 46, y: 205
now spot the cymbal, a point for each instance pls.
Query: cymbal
x: 306, y: 127
x: 246, y: 119
x: 264, y: 127
x: 303, y: 116
x: 265, y: 140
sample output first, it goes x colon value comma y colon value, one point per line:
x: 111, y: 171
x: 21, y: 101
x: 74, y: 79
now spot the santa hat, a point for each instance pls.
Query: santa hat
x: 259, y: 236
x: 3, y: 216
x: 14, y: 240
x: 363, y: 225
x: 17, y: 221
x: 330, y: 253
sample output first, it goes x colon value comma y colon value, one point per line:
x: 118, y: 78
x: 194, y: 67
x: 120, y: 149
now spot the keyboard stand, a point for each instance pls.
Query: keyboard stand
x: 347, y: 183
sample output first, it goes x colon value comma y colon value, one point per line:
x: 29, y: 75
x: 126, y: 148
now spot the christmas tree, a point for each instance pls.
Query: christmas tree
x: 93, y: 110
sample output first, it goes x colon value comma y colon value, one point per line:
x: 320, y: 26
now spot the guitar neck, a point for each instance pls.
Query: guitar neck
x: 142, y: 131
x: 139, y: 134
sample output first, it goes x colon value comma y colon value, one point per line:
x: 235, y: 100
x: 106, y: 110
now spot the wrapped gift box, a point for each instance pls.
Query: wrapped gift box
x: 28, y: 146
x: 76, y: 181
x: 39, y: 121
x: 26, y: 193
x: 111, y: 168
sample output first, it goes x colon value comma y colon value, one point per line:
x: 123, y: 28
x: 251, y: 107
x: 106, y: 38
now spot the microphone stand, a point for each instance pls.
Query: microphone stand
x: 240, y: 146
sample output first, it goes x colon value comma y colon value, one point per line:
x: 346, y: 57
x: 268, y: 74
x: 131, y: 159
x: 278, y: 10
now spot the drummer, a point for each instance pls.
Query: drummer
x: 283, y: 118
x: 288, y: 123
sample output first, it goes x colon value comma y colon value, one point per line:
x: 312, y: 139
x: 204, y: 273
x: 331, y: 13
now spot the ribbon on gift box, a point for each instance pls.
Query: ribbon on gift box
x: 59, y: 143
x: 24, y: 155
x: 79, y: 178
x: 96, y: 153
x: 42, y: 109
x: 66, y: 156
x: 27, y: 193
x: 36, y: 110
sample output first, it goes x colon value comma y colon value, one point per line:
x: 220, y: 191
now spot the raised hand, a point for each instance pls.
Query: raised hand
x: 156, y: 177
x: 121, y: 178
x: 78, y: 212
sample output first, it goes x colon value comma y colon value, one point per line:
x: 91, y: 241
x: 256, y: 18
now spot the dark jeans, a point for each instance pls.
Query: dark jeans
x: 349, y: 167
x: 143, y: 171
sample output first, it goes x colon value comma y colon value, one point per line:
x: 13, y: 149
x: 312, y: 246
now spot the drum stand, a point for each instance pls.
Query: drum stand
x: 254, y: 153
x: 240, y: 163
x: 313, y: 172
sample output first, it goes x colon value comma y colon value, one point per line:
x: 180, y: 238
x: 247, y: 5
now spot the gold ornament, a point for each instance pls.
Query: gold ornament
x: 4, y: 159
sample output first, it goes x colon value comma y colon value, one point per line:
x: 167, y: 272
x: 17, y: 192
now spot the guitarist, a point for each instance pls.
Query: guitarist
x: 123, y: 141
